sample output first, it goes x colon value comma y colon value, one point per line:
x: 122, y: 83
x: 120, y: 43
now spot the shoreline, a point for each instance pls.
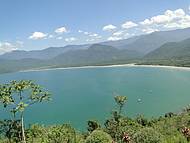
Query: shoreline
x: 109, y: 66
x: 79, y: 67
x: 164, y: 66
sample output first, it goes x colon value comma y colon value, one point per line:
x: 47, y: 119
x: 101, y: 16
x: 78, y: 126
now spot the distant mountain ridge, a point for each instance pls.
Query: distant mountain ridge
x: 96, y: 53
x: 164, y: 47
x: 146, y: 43
x: 141, y: 44
x: 171, y: 50
x: 48, y: 53
x: 172, y: 53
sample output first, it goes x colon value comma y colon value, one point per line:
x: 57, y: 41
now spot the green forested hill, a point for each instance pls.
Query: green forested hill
x: 173, y: 53
x: 171, y: 50
x: 97, y: 54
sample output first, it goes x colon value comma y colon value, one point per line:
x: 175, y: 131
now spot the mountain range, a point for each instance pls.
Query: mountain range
x: 171, y: 50
x: 171, y: 53
x: 153, y: 48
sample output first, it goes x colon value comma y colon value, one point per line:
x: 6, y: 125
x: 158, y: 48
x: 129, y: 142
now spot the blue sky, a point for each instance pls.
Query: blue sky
x: 38, y: 24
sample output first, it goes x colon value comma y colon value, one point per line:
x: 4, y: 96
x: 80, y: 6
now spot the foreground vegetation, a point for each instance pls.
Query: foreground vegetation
x: 171, y: 128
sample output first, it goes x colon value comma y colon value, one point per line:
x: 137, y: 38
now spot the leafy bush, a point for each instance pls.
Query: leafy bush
x: 53, y: 134
x: 147, y: 135
x: 99, y: 136
x: 175, y: 139
x: 36, y: 133
x: 142, y: 120
x: 118, y: 129
x: 10, y: 129
x: 61, y: 134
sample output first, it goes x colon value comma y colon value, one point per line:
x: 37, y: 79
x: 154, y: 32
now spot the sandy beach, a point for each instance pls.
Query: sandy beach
x: 108, y: 66
x: 159, y: 66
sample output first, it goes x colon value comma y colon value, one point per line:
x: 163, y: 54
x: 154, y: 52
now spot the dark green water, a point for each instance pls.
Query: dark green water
x: 82, y: 94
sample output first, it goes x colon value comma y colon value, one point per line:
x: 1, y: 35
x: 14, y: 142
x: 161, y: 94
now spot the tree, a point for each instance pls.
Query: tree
x: 17, y: 95
x: 120, y: 100
x: 92, y: 125
x: 113, y: 124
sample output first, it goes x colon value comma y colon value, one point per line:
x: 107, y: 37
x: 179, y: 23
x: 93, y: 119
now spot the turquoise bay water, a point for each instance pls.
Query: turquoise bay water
x: 83, y: 94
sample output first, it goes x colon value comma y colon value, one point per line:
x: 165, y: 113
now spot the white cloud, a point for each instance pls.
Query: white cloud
x: 155, y: 20
x: 160, y: 19
x: 127, y: 35
x: 6, y: 47
x: 146, y: 22
x: 170, y: 19
x: 93, y: 35
x: 20, y: 42
x: 109, y: 27
x: 59, y: 38
x: 83, y: 32
x: 118, y: 33
x: 71, y: 39
x: 50, y: 36
x: 90, y: 40
x: 112, y: 38
x: 181, y: 23
x: 149, y: 30
x: 129, y: 24
x: 99, y: 36
x: 61, y: 30
x: 86, y: 33
x: 38, y: 35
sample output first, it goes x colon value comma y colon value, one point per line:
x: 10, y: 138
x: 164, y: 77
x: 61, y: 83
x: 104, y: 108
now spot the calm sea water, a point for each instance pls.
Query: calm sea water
x: 83, y: 94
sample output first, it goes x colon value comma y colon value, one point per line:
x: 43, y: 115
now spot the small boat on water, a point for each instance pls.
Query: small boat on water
x: 150, y: 91
x: 139, y: 100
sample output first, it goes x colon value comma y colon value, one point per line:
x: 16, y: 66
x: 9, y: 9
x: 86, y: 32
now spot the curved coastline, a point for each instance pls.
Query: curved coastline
x: 108, y: 66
